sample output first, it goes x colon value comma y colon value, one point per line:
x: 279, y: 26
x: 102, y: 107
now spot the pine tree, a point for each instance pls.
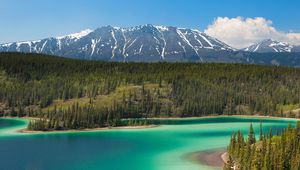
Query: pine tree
x: 270, y: 133
x: 251, y: 136
x: 260, y: 131
x: 270, y: 152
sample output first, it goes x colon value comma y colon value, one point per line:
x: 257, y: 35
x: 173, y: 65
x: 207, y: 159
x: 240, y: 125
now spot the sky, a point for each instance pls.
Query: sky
x: 227, y: 20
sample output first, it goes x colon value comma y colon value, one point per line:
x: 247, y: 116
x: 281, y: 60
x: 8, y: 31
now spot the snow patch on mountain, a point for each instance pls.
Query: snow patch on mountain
x: 77, y: 35
x: 140, y: 43
x: 270, y: 45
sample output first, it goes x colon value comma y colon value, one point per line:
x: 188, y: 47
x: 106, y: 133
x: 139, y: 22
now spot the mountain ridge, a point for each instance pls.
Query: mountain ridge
x: 271, y: 45
x: 142, y: 43
x: 149, y: 43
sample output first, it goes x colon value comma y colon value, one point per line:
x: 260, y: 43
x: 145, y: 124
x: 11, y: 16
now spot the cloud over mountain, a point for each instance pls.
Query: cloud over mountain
x: 242, y: 32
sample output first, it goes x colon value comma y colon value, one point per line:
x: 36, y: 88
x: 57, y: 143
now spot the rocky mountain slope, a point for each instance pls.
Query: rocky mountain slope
x: 270, y: 45
x: 142, y: 43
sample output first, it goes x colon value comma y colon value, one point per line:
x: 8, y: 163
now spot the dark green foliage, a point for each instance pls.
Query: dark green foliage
x: 284, y: 59
x: 31, y: 83
x: 76, y: 117
x: 261, y: 131
x: 87, y: 117
x: 251, y: 136
x: 272, y: 152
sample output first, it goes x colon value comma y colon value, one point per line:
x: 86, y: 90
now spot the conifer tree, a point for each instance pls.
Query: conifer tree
x: 260, y: 131
x: 251, y: 135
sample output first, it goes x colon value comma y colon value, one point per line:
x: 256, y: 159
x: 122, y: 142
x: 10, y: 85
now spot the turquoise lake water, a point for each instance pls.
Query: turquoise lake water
x: 161, y: 148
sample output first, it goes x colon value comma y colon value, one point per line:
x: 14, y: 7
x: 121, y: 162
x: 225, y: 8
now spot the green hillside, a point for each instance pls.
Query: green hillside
x: 71, y: 94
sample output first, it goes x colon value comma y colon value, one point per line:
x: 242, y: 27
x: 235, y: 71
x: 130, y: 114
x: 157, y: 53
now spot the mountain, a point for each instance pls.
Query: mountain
x: 270, y: 45
x: 142, y: 43
x: 148, y: 43
x: 296, y: 49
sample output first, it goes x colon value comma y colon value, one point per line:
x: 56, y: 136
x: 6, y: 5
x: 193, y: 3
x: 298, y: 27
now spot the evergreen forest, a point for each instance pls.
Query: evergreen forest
x: 59, y: 93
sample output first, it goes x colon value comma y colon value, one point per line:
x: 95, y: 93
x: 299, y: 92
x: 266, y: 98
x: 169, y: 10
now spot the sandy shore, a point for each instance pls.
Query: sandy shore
x: 88, y: 130
x: 150, y: 126
x: 213, y: 116
x: 259, y: 116
x: 215, y: 158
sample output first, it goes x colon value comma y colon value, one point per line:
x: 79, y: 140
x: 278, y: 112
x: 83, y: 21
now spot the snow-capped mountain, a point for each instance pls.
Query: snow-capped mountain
x: 270, y: 45
x: 141, y: 43
x: 296, y: 49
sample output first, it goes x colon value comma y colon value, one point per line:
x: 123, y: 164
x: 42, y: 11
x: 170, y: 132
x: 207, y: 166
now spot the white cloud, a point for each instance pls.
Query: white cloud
x: 240, y: 33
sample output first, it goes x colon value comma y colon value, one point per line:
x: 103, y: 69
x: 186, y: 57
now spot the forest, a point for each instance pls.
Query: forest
x: 61, y: 93
x: 278, y: 152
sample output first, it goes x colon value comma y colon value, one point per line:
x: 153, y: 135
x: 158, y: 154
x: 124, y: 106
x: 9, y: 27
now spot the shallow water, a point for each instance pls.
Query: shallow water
x: 161, y: 148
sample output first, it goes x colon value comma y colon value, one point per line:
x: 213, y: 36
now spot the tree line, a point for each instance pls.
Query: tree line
x: 30, y: 84
x: 279, y: 152
x: 83, y: 117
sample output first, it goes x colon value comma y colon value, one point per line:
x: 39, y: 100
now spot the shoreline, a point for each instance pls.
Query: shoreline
x: 141, y: 127
x: 187, y: 118
x: 212, y: 158
x: 214, y: 116
x: 87, y: 129
x: 260, y: 116
x: 216, y: 158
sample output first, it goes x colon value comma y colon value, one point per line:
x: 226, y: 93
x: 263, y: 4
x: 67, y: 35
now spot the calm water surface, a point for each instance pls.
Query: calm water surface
x: 161, y: 148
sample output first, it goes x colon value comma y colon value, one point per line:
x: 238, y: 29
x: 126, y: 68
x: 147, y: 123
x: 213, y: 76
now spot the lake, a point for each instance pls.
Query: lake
x: 162, y: 148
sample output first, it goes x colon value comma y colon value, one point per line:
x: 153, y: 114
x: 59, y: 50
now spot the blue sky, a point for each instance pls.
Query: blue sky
x: 35, y: 19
